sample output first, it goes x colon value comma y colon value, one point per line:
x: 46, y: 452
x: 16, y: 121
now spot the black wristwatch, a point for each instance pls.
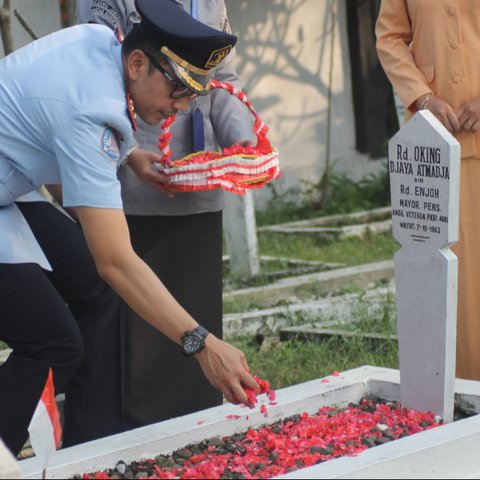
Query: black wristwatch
x: 193, y: 341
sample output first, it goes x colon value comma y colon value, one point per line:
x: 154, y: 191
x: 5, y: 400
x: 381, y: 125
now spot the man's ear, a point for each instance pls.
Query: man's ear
x: 137, y: 62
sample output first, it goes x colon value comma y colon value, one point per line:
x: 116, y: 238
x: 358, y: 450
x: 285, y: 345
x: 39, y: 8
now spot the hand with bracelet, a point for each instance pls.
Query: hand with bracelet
x: 441, y: 109
x: 469, y: 115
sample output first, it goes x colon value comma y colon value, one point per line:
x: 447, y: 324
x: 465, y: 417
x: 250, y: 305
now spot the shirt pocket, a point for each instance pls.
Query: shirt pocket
x: 428, y: 72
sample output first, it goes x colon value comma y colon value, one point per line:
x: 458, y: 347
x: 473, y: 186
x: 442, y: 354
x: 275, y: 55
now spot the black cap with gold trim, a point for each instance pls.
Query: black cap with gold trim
x: 192, y: 48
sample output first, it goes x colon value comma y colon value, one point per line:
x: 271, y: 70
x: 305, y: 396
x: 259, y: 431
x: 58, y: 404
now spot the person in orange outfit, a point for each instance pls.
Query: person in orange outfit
x: 429, y: 50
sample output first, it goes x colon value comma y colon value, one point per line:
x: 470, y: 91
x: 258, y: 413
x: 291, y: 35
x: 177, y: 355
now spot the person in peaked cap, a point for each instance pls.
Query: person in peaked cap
x: 162, y: 226
x: 57, y: 278
x: 194, y: 52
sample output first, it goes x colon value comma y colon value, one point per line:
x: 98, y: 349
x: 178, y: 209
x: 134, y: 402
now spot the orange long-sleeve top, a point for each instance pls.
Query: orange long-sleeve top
x: 432, y: 46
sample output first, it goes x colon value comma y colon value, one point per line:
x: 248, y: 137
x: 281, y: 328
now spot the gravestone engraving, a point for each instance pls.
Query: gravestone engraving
x: 424, y: 166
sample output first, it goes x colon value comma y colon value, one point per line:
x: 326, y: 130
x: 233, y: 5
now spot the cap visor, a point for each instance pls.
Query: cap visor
x: 199, y: 84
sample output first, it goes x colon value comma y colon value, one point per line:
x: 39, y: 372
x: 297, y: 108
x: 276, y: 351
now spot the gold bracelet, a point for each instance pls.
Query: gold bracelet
x: 423, y: 103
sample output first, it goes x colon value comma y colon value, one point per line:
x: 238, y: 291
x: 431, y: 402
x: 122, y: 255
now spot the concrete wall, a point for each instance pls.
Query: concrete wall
x: 294, y: 63
x: 43, y: 16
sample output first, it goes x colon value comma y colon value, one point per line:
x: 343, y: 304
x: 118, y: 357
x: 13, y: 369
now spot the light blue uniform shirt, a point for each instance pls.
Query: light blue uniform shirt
x: 63, y: 119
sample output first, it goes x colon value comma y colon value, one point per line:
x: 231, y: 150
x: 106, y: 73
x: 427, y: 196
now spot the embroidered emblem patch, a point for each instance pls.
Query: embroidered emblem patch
x: 217, y: 56
x: 110, y: 145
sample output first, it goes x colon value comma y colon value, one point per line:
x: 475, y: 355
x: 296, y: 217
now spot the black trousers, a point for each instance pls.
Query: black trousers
x: 186, y: 254
x: 67, y: 319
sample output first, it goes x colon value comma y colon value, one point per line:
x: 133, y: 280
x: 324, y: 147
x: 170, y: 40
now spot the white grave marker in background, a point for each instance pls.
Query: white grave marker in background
x: 424, y: 166
x: 241, y: 234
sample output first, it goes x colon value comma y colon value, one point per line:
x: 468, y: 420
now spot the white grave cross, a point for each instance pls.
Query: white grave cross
x: 424, y: 166
x: 241, y: 234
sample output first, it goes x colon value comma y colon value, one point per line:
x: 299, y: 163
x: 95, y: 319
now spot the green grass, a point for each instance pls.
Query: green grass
x: 351, y: 251
x: 335, y: 193
x: 292, y: 362
x: 313, y: 247
x: 372, y: 317
x: 295, y: 361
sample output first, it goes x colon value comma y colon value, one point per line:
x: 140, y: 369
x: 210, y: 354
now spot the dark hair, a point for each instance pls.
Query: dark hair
x: 139, y: 38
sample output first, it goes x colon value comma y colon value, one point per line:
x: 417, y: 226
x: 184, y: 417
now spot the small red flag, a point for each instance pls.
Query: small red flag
x: 45, y: 428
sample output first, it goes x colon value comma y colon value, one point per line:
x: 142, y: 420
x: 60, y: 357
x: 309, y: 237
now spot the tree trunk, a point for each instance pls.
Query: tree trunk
x: 6, y: 27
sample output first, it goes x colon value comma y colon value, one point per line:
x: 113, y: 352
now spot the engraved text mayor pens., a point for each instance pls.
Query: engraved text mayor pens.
x: 420, y: 201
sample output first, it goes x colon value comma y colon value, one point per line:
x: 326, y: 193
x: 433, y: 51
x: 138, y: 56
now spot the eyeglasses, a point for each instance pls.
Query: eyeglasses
x: 179, y: 90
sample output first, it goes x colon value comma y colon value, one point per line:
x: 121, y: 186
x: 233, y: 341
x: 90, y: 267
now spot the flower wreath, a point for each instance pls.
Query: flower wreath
x: 234, y: 169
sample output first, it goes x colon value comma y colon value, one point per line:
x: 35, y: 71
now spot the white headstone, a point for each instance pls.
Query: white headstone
x: 240, y: 231
x: 424, y: 165
x: 9, y: 467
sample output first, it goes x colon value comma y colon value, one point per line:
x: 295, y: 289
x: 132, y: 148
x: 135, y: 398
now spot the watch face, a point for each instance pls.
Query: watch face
x: 194, y: 340
x: 192, y: 344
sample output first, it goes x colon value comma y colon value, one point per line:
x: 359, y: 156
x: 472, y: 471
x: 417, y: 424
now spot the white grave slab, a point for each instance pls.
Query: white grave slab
x: 424, y: 165
x: 448, y: 451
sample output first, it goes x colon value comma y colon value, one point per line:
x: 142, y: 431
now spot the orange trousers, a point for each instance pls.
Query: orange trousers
x: 467, y: 250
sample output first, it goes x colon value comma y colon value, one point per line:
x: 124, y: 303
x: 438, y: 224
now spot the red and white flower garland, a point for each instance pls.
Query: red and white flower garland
x: 235, y: 169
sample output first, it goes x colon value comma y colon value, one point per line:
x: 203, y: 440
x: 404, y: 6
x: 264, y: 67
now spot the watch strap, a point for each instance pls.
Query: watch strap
x: 202, y: 331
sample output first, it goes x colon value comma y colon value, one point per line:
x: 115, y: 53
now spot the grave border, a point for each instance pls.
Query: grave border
x: 167, y: 436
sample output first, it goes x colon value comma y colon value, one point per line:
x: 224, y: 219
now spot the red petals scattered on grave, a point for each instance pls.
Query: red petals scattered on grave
x: 264, y: 388
x: 290, y: 444
x: 232, y: 417
x: 271, y: 395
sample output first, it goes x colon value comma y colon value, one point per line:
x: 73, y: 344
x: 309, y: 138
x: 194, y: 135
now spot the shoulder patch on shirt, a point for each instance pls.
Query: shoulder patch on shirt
x: 109, y: 145
x: 108, y: 12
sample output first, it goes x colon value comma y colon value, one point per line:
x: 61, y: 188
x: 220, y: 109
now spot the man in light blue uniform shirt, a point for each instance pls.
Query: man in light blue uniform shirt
x: 67, y: 106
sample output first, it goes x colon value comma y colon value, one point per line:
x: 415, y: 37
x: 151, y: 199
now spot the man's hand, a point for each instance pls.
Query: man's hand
x: 142, y: 163
x: 469, y: 115
x: 227, y: 370
x: 442, y: 110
